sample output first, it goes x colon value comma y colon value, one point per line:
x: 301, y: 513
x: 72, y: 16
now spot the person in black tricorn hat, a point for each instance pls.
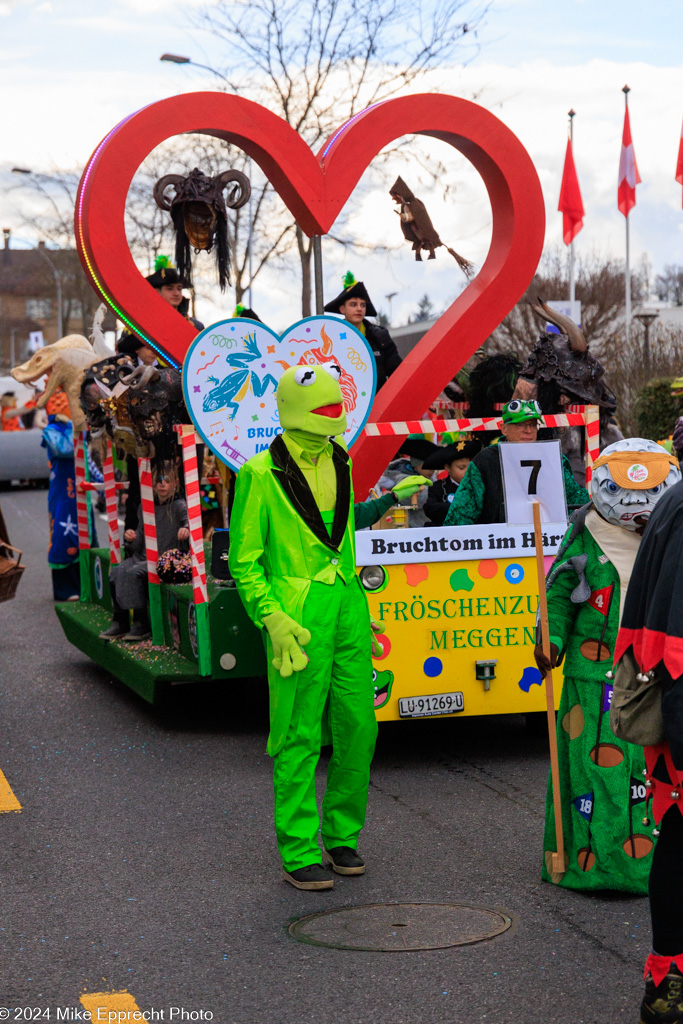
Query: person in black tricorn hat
x: 245, y: 313
x: 354, y: 304
x: 455, y: 459
x: 169, y: 284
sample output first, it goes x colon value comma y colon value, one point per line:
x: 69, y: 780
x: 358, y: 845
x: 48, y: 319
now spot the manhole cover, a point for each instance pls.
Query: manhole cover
x: 397, y: 927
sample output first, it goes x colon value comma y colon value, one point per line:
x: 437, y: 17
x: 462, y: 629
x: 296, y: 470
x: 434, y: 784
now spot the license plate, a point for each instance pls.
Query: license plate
x: 431, y: 704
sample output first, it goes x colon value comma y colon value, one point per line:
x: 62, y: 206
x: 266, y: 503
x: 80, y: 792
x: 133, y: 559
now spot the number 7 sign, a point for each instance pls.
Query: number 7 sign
x: 533, y: 472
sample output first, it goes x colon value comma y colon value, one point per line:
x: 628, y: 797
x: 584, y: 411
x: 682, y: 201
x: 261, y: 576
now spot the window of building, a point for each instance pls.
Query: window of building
x: 39, y: 309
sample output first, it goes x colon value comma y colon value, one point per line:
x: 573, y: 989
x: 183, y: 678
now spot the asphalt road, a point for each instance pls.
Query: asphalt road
x: 143, y: 859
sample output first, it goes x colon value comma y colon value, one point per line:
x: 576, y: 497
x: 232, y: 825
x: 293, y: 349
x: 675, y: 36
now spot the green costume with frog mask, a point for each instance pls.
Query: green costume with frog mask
x: 292, y: 555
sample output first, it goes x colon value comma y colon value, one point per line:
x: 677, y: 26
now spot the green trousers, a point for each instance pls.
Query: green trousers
x: 336, y: 686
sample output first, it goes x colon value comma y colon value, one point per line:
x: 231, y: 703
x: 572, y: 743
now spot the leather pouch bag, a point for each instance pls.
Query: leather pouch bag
x: 636, y: 710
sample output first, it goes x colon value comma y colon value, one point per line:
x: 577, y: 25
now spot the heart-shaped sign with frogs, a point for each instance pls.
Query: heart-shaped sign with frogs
x: 232, y: 369
x: 315, y: 188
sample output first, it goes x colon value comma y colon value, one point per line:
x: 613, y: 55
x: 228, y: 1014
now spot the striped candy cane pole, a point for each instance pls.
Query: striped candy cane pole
x: 151, y: 551
x: 82, y: 516
x: 111, y: 503
x: 194, y: 514
x: 148, y: 520
x: 592, y: 420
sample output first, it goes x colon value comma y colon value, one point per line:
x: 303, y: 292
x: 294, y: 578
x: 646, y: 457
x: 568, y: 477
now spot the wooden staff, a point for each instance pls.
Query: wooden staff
x: 557, y: 859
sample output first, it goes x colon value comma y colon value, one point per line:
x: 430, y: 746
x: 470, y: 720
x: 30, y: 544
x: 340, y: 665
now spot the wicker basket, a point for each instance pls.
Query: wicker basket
x: 10, y: 571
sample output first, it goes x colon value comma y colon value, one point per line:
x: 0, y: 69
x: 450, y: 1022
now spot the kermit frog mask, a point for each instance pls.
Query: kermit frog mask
x: 310, y: 403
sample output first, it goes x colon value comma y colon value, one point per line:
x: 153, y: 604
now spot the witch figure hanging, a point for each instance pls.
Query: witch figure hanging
x: 199, y: 212
x: 607, y: 843
x: 417, y: 226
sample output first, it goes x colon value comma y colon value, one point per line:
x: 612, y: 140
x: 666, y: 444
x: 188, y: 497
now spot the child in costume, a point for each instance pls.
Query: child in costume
x: 128, y: 581
x: 455, y: 458
x: 292, y: 555
x: 603, y: 799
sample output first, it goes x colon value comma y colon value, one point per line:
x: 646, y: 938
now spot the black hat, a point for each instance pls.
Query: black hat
x: 128, y: 344
x: 246, y: 314
x: 164, y: 273
x: 352, y: 290
x: 450, y: 452
x: 417, y: 448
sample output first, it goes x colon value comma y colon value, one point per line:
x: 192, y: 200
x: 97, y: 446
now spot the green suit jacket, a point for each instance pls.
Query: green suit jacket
x: 279, y: 545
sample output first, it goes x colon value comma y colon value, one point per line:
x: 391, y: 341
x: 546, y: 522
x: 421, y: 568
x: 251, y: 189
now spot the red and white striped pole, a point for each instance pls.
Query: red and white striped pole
x: 111, y: 503
x: 188, y: 442
x: 592, y: 415
x: 149, y: 527
x: 194, y: 514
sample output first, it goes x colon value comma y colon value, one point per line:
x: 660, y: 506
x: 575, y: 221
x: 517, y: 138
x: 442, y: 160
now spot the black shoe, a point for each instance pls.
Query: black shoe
x: 344, y: 860
x: 138, y: 631
x: 663, y: 1003
x: 117, y: 629
x: 312, y: 877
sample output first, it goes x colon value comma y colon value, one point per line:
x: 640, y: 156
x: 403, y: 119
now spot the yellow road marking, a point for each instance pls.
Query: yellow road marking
x: 8, y: 801
x: 115, y: 1007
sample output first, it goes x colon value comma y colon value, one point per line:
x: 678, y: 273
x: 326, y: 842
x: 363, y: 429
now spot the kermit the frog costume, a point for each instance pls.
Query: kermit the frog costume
x: 292, y: 555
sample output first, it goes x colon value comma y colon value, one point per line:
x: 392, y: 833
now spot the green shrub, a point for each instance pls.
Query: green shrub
x: 657, y: 410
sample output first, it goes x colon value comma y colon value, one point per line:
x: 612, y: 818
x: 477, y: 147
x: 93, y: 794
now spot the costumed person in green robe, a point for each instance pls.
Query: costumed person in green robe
x: 601, y: 777
x: 480, y: 497
x: 292, y: 555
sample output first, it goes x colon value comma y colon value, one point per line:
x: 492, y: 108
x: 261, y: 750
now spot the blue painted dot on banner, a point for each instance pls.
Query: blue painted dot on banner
x: 514, y: 573
x: 433, y: 667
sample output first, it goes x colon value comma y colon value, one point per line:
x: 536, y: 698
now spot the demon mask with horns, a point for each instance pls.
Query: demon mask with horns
x: 560, y: 370
x: 137, y: 407
x: 199, y: 214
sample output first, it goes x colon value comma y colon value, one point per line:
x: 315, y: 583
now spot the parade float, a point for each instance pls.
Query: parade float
x: 458, y: 603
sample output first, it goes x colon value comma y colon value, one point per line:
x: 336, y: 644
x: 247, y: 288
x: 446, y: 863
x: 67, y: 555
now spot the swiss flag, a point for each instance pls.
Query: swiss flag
x: 570, y: 206
x: 601, y: 599
x: 679, y: 162
x: 628, y: 171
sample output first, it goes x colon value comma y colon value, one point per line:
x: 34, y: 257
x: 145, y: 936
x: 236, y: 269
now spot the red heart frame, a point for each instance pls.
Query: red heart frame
x: 315, y: 189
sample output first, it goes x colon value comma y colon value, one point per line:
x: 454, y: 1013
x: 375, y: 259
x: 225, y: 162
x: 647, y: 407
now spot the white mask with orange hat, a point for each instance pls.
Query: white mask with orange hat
x: 629, y: 478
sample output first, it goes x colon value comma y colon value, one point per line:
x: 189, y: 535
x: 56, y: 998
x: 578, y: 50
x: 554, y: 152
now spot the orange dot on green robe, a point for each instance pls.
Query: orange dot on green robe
x: 460, y: 580
x: 487, y: 568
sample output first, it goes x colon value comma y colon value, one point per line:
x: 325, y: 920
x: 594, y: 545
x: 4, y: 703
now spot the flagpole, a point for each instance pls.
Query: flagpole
x: 627, y: 281
x: 572, y: 281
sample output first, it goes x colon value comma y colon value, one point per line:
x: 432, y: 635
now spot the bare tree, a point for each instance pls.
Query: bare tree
x: 669, y: 284
x: 319, y: 62
x: 46, y: 204
x: 599, y: 288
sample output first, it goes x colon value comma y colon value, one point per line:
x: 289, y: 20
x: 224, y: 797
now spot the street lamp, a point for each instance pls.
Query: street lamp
x: 647, y: 319
x: 175, y: 58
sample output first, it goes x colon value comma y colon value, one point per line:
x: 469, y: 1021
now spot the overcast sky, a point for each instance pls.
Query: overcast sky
x: 71, y: 69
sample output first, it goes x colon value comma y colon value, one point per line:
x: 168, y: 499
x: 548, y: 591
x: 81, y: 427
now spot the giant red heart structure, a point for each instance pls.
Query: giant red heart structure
x: 315, y: 189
